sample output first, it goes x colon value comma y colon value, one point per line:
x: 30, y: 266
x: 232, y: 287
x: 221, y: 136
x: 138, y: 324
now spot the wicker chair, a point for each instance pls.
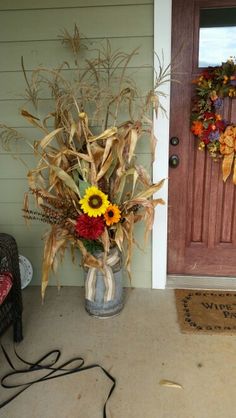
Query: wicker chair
x: 11, y: 308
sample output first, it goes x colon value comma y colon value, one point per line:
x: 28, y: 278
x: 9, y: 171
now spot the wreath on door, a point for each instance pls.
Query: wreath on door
x: 216, y: 135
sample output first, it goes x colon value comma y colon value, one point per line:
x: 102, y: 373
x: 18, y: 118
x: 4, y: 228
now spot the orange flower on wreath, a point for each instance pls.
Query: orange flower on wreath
x: 197, y: 128
x: 112, y: 215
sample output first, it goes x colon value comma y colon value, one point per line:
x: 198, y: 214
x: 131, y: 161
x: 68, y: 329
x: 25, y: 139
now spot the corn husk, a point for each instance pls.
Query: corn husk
x: 170, y: 384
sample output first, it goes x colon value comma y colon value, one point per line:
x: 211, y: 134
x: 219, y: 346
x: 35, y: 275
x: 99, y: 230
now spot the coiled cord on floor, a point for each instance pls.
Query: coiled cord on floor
x: 74, y: 365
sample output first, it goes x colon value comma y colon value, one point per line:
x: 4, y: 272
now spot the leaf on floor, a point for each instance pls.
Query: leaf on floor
x: 170, y: 384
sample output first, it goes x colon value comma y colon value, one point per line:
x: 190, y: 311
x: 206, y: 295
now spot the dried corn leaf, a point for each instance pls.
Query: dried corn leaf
x: 53, y: 241
x: 170, y: 384
x: 32, y: 119
x: 119, y: 236
x: 159, y: 201
x: 155, y: 103
x: 135, y: 178
x: 105, y: 135
x: 97, y: 152
x: 112, y: 167
x: 133, y: 142
x: 151, y: 190
x: 144, y: 177
x: 119, y: 186
x: 67, y: 180
x: 79, y: 155
x: 128, y: 231
x: 48, y: 138
x: 149, y: 220
x: 73, y: 130
x: 109, y: 143
x: 120, y: 151
x: 105, y: 167
x: 105, y: 241
x: 88, y: 259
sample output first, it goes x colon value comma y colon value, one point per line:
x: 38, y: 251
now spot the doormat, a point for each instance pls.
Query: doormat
x: 212, y: 312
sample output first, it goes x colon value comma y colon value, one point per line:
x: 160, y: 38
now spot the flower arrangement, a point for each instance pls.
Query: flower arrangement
x: 213, y: 132
x: 87, y: 183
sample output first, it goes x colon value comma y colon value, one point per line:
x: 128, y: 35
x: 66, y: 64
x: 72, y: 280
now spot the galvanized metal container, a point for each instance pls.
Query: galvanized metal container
x: 99, y: 307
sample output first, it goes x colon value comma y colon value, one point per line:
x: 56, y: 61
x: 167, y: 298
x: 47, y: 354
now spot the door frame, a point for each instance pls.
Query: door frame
x: 162, y: 47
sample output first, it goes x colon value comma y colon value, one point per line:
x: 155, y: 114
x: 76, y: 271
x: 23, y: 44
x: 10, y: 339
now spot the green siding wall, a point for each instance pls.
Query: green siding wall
x: 30, y: 29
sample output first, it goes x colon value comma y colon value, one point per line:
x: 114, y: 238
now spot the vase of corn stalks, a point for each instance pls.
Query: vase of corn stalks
x: 88, y: 184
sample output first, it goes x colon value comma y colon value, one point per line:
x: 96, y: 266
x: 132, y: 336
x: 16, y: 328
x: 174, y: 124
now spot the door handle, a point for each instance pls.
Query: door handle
x: 174, y: 161
x: 174, y: 140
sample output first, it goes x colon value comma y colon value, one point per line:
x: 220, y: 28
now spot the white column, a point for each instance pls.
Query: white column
x: 162, y: 47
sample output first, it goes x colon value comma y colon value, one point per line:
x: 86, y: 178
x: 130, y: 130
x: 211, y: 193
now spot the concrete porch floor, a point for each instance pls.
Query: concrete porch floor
x: 139, y: 347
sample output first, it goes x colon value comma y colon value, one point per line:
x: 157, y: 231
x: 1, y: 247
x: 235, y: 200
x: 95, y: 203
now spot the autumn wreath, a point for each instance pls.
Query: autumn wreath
x: 214, y: 133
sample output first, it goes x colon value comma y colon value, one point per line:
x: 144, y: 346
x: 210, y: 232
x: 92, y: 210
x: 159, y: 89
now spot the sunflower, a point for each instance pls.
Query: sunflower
x: 94, y: 202
x: 112, y: 215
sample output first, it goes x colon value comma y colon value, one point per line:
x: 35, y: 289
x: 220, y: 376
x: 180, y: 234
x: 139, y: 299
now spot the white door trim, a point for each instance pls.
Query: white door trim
x: 162, y: 47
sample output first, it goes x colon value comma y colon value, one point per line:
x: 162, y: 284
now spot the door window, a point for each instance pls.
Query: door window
x: 217, y: 36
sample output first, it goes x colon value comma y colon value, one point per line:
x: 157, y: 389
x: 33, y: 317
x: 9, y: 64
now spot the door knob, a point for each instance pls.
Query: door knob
x: 174, y: 161
x: 174, y: 140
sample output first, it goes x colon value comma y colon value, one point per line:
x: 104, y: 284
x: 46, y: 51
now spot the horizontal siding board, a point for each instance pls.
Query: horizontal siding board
x: 31, y: 236
x: 53, y: 53
x: 26, y: 236
x: 72, y: 277
x: 11, y: 214
x: 140, y: 278
x: 13, y: 86
x: 34, y: 4
x: 20, y: 146
x: 12, y: 191
x: 10, y: 113
x: 71, y: 274
x: 68, y: 273
x: 113, y: 21
x: 14, y: 168
x: 30, y: 245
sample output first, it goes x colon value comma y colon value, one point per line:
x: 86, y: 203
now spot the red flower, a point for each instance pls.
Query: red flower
x: 205, y: 137
x: 209, y: 73
x: 209, y: 115
x: 221, y: 125
x: 89, y: 227
x: 197, y: 127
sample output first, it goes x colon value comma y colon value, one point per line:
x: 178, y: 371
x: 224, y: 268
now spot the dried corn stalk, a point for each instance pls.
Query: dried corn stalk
x: 97, y: 121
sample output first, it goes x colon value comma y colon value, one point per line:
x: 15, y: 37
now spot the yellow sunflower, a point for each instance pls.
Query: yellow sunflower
x: 94, y: 202
x: 112, y: 215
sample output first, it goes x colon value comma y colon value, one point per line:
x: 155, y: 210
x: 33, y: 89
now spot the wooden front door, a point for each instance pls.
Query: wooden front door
x: 202, y: 209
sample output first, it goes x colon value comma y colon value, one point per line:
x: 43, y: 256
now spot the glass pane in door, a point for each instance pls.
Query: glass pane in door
x: 217, y: 36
